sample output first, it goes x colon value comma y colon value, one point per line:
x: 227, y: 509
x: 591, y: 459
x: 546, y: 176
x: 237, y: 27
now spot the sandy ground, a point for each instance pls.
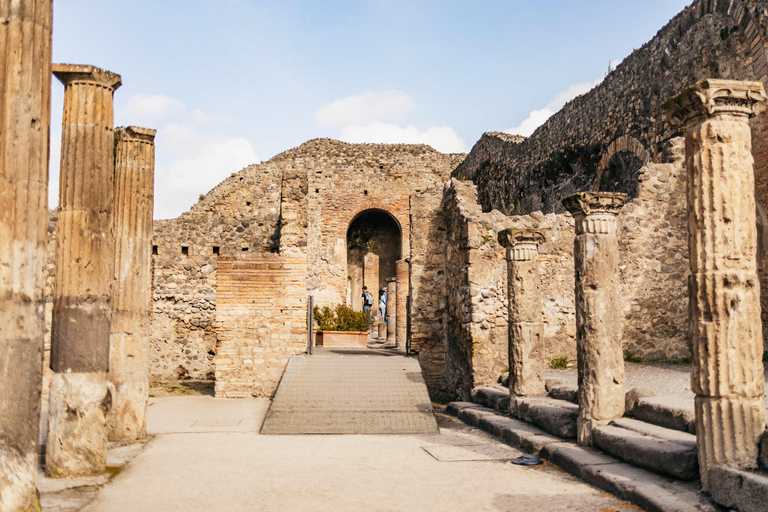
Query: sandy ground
x: 207, y: 455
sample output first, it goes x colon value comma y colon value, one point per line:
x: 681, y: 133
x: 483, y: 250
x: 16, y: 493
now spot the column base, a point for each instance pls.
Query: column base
x: 728, y: 432
x: 77, y: 417
x: 18, y: 474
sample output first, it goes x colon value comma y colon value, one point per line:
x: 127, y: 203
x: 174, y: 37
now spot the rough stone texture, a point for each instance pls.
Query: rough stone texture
x: 25, y: 117
x: 763, y: 462
x: 668, y: 412
x: 79, y: 398
x: 371, y: 279
x: 261, y: 322
x: 598, y: 311
x: 746, y: 491
x: 727, y: 374
x: 526, y: 343
x: 556, y: 417
x: 132, y: 292
x: 566, y: 393
x: 633, y: 396
x: 392, y: 318
x: 401, y: 328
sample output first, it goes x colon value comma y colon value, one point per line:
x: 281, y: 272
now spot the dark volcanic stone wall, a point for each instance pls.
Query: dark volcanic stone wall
x: 569, y: 153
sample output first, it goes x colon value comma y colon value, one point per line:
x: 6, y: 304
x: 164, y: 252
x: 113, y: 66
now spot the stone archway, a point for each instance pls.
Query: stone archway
x: 379, y: 232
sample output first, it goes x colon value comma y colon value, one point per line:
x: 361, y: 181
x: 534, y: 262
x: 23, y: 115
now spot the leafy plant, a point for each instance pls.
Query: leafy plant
x: 233, y: 175
x: 201, y: 197
x: 370, y: 244
x: 631, y: 356
x: 558, y: 362
x: 486, y: 238
x: 340, y: 318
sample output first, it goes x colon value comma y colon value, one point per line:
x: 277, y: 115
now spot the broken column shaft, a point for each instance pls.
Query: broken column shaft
x: 79, y: 399
x: 727, y: 375
x: 599, y: 352
x: 25, y: 117
x: 526, y: 364
x: 132, y: 294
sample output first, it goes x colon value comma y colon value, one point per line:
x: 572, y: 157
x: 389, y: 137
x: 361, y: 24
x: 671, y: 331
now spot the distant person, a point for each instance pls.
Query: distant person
x: 383, y: 304
x: 367, y: 299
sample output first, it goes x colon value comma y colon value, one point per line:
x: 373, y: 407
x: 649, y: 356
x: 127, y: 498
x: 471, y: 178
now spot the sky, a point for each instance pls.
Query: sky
x: 229, y: 83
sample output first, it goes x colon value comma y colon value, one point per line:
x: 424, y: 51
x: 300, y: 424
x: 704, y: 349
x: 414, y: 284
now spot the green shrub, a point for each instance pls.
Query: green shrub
x: 340, y: 318
x: 558, y: 362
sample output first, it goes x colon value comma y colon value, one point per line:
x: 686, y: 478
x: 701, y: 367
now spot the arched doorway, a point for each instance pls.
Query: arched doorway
x: 374, y: 231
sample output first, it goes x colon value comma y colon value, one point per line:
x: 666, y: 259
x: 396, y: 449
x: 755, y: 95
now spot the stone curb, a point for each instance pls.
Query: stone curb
x: 651, y: 492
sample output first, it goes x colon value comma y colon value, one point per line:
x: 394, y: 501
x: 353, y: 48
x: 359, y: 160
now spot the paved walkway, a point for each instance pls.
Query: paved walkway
x: 333, y: 393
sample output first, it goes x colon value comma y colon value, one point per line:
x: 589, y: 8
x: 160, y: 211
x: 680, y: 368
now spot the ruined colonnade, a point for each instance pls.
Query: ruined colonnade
x: 25, y: 117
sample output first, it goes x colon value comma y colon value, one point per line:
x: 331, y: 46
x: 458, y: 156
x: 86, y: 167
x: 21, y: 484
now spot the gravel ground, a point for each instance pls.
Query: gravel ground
x: 664, y: 379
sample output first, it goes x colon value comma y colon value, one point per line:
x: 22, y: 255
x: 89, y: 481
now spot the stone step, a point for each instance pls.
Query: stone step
x: 557, y: 417
x: 666, y: 411
x: 566, y: 393
x: 664, y: 451
x: 494, y: 397
x: 745, y: 491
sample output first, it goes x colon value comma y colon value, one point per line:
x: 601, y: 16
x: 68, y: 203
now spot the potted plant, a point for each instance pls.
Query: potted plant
x: 340, y: 327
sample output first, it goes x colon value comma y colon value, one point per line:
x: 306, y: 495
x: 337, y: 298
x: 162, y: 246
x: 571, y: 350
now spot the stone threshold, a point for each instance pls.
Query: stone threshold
x: 650, y: 491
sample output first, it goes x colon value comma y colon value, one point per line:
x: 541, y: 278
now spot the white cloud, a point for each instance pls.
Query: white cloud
x: 365, y: 108
x: 149, y: 108
x: 441, y: 138
x: 191, y: 163
x: 537, y: 117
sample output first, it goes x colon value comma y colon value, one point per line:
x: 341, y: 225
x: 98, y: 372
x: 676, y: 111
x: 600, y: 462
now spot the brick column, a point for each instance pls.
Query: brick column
x: 724, y: 290
x: 25, y: 117
x: 403, y: 268
x: 132, y: 294
x: 598, y: 309
x: 85, y: 248
x: 371, y: 275
x: 391, y: 313
x: 526, y: 342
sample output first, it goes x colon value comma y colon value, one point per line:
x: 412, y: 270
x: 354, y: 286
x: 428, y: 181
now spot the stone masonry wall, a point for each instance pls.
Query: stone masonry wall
x: 261, y: 322
x: 571, y: 152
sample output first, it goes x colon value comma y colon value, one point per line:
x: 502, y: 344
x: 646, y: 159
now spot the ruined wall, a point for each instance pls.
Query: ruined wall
x: 710, y: 39
x: 428, y: 287
x: 261, y: 322
x: 238, y: 218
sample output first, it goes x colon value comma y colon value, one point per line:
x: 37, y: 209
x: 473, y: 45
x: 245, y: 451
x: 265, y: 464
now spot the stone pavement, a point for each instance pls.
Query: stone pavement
x: 206, y: 455
x: 335, y: 393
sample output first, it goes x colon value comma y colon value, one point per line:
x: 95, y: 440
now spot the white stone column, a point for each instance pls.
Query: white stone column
x: 727, y: 375
x: 85, y: 261
x: 598, y: 310
x: 526, y: 341
x: 25, y: 118
x: 391, y: 313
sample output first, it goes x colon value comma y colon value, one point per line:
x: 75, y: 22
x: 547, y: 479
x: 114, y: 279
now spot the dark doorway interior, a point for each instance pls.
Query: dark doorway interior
x: 378, y: 230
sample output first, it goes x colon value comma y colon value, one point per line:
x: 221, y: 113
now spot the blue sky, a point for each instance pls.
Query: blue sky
x: 232, y: 82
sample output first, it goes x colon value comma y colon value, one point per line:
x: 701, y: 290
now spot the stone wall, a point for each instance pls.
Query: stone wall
x: 572, y: 151
x: 261, y: 322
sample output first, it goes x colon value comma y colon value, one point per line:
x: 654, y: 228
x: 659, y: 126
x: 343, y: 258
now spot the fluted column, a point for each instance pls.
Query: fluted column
x: 391, y: 312
x: 25, y: 117
x: 724, y: 311
x: 132, y: 294
x: 526, y: 343
x: 598, y: 309
x: 85, y: 248
x: 401, y: 327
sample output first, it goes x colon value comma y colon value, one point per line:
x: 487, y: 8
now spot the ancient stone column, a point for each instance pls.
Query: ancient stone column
x: 724, y: 310
x: 598, y: 309
x: 25, y: 117
x: 401, y: 327
x: 132, y: 294
x: 391, y: 312
x: 526, y: 341
x: 371, y: 275
x: 85, y: 262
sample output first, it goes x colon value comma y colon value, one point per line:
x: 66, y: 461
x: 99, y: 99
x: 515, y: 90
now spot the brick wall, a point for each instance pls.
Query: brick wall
x: 261, y: 322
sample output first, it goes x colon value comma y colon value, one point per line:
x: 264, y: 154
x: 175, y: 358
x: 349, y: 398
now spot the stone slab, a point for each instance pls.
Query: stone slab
x: 566, y: 393
x: 479, y: 452
x: 557, y: 417
x: 746, y: 491
x: 648, y: 429
x: 669, y: 412
x: 649, y: 452
x: 489, y: 395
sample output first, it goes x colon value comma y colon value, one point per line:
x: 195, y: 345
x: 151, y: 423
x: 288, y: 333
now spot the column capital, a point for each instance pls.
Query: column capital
x: 513, y: 236
x: 710, y: 97
x: 135, y: 133
x: 595, y: 212
x: 84, y: 73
